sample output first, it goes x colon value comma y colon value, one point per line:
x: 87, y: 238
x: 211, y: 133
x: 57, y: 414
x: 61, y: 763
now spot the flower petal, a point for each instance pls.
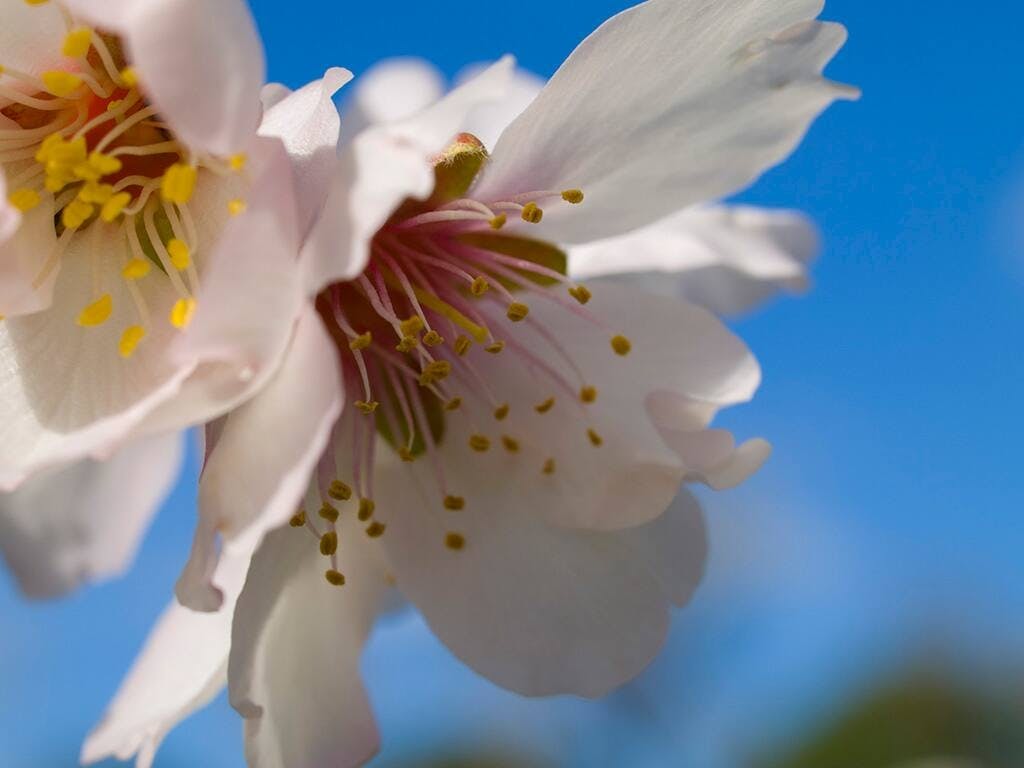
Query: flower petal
x: 26, y: 243
x: 725, y: 258
x: 83, y: 523
x: 31, y: 36
x: 667, y: 105
x: 394, y: 90
x: 296, y: 642
x: 308, y: 123
x: 181, y: 669
x: 489, y: 121
x: 538, y: 609
x: 382, y: 167
x: 200, y: 63
x: 265, y: 452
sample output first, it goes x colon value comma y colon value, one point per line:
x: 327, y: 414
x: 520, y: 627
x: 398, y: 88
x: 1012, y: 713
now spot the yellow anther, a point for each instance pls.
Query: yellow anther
x: 96, y: 313
x: 136, y: 269
x: 76, y: 213
x: 573, y: 196
x: 130, y: 339
x: 129, y: 78
x: 454, y: 404
x: 546, y: 406
x: 36, y: 2
x: 549, y: 467
x: 510, y: 443
x: 339, y: 491
x: 581, y: 293
x: 335, y: 578
x: 406, y: 455
x: 495, y: 348
x: 115, y: 206
x: 408, y: 344
x: 178, y: 183
x: 366, y: 509
x: 54, y: 184
x: 433, y: 372
x: 588, y: 394
x: 454, y: 503
x: 595, y: 439
x: 46, y: 148
x: 517, y: 311
x: 77, y: 43
x: 114, y: 104
x: 236, y: 207
x: 479, y: 286
x: 621, y: 345
x: 181, y: 256
x: 105, y: 164
x: 92, y: 192
x: 298, y: 519
x: 182, y: 311
x: 376, y: 529
x: 329, y: 543
x: 24, y: 199
x: 360, y: 342
x: 411, y: 327
x: 501, y: 412
x: 479, y: 443
x: 455, y: 541
x: 60, y: 83
x: 85, y: 172
x: 329, y: 513
x: 433, y: 339
x: 237, y: 162
x: 462, y: 345
x: 498, y: 221
x: 366, y: 407
x: 532, y: 213
x: 63, y: 154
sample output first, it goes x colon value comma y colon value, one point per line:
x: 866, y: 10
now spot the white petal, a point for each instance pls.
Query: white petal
x: 72, y: 526
x: 725, y: 258
x: 26, y: 243
x: 200, y: 63
x: 182, y: 668
x: 264, y: 455
x: 535, y: 608
x: 394, y: 90
x: 489, y: 121
x: 31, y: 37
x: 667, y: 105
x: 296, y: 642
x: 308, y: 123
x: 381, y: 168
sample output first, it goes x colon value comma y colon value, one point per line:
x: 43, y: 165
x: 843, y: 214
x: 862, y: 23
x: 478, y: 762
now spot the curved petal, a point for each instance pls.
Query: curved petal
x: 180, y: 670
x: 201, y: 63
x: 489, y: 121
x: 83, y: 523
x: 31, y: 36
x: 391, y: 91
x: 308, y: 123
x: 669, y: 104
x: 265, y: 453
x: 538, y: 609
x: 26, y: 243
x: 725, y: 258
x: 382, y: 167
x: 296, y: 642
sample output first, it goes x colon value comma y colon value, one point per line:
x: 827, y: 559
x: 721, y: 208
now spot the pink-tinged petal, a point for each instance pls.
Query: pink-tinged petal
x: 31, y: 36
x: 273, y: 94
x: 382, y: 167
x: 535, y: 608
x: 26, y: 244
x: 264, y: 455
x: 308, y: 123
x: 394, y: 90
x: 296, y: 642
x: 489, y: 121
x: 667, y: 105
x: 77, y: 525
x: 200, y: 63
x: 181, y: 669
x: 725, y: 258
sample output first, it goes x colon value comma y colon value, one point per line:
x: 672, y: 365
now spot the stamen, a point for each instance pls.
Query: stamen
x: 340, y: 491
x: 621, y: 345
x: 510, y: 443
x: 375, y: 529
x: 532, y: 213
x: 130, y: 339
x: 298, y: 520
x: 546, y: 406
x: 455, y: 541
x: 595, y: 439
x: 329, y: 543
x: 335, y: 578
x: 454, y: 503
x: 96, y: 313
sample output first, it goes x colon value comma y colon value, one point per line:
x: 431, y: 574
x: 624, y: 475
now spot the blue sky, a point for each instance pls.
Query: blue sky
x: 890, y: 513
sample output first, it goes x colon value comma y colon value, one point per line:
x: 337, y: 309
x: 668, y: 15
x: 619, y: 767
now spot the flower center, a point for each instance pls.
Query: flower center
x: 86, y: 138
x: 443, y: 291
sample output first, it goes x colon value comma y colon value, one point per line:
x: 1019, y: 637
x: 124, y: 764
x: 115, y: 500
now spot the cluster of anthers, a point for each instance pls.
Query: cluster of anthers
x: 441, y: 281
x: 87, y: 138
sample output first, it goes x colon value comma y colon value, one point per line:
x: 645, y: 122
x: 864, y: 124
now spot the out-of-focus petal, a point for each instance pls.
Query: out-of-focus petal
x: 725, y: 258
x: 200, y: 63
x: 31, y: 36
x: 72, y: 526
x: 265, y: 452
x: 489, y: 121
x: 394, y: 90
x: 26, y: 243
x: 667, y: 105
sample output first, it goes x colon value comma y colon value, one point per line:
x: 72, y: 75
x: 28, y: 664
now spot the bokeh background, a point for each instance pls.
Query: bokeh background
x: 865, y: 599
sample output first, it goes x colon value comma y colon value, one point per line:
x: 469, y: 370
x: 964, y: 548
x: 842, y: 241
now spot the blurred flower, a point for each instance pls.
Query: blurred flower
x: 537, y: 549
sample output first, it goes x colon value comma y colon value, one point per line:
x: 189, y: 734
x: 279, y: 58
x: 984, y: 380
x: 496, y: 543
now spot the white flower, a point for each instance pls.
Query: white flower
x: 508, y: 466
x: 147, y: 234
